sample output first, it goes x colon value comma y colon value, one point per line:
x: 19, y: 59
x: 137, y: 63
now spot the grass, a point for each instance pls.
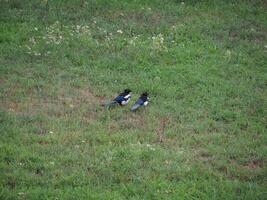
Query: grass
x: 203, y: 136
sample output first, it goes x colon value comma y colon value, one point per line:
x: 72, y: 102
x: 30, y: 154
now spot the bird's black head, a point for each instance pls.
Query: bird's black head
x: 145, y: 94
x: 127, y: 91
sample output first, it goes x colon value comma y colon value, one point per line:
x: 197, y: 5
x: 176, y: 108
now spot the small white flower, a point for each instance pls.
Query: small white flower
x: 51, y: 132
x: 28, y: 47
x: 150, y: 147
x: 167, y: 162
x: 37, y: 54
x: 32, y: 40
x: 36, y: 28
x: 228, y: 53
x: 119, y: 31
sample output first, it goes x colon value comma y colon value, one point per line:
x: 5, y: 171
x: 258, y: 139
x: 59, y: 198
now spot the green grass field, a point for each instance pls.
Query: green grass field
x: 203, y: 135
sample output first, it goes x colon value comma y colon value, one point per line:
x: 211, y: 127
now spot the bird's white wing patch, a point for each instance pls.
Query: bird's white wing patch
x: 127, y: 96
x: 145, y: 103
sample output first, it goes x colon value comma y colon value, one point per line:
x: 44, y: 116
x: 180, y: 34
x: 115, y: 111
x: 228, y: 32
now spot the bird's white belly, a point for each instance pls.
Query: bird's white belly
x: 125, y: 102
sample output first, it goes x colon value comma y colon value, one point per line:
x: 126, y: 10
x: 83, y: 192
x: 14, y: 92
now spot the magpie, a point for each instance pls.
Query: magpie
x: 142, y: 101
x: 122, y: 99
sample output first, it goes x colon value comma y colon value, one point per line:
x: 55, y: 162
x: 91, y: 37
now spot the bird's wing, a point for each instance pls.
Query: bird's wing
x: 135, y: 107
x: 119, y: 99
x: 137, y: 104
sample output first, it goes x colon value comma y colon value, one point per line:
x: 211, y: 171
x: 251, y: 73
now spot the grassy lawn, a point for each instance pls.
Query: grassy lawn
x: 203, y: 135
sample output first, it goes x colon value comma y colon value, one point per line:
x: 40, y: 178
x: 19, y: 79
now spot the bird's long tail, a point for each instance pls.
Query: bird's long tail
x: 135, y: 107
x: 109, y: 104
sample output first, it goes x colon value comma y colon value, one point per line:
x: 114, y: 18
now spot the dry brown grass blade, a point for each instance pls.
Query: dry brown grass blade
x: 161, y: 129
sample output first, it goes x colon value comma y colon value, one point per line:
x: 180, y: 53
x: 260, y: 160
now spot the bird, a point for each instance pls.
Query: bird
x: 122, y: 99
x: 141, y: 101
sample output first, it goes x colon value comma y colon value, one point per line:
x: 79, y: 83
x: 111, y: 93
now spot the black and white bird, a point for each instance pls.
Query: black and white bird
x: 141, y: 101
x: 122, y: 99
